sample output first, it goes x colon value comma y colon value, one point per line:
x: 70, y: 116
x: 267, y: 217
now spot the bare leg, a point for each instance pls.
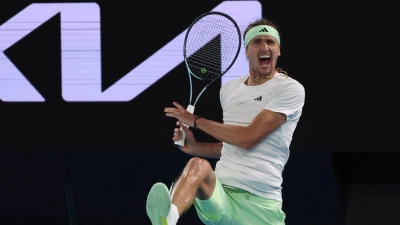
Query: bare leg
x: 197, y: 180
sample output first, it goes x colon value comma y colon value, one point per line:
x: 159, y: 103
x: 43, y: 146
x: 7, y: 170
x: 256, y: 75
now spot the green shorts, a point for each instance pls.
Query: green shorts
x: 230, y: 205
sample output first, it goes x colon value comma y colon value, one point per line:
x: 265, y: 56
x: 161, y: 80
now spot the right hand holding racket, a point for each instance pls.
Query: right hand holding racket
x: 188, y: 142
x: 183, y: 115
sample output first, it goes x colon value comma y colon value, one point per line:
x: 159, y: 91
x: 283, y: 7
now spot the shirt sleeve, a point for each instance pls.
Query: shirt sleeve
x: 289, y: 100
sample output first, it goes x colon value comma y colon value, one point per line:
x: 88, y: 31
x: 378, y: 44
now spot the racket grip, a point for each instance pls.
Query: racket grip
x: 181, y: 142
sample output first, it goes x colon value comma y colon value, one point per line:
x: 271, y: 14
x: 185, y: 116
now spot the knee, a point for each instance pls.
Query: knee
x: 198, y: 166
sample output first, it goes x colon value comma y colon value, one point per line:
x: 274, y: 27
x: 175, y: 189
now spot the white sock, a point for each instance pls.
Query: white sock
x: 173, y: 215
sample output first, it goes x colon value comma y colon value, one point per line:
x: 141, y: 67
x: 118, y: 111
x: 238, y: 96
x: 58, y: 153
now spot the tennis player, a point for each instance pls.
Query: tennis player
x: 260, y: 113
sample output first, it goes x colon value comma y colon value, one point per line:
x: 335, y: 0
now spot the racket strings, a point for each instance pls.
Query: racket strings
x: 207, y: 57
x: 211, y: 46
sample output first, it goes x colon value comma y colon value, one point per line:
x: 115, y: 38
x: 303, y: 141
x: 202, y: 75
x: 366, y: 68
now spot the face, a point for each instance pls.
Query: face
x: 262, y: 52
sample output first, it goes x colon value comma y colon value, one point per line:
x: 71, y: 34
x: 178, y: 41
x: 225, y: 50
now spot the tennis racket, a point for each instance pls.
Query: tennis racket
x: 211, y: 46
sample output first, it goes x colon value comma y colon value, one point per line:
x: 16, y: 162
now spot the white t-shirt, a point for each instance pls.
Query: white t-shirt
x: 259, y: 169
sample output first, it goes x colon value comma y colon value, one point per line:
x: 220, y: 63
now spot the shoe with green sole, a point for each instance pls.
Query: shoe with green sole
x: 158, y: 204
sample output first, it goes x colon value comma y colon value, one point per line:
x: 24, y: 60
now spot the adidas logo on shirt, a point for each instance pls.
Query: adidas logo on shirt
x: 263, y: 30
x: 258, y: 99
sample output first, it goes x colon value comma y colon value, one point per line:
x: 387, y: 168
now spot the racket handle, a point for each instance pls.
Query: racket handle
x: 181, y: 142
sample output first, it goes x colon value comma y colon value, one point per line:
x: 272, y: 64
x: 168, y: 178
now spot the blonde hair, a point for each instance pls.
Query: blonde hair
x: 279, y: 70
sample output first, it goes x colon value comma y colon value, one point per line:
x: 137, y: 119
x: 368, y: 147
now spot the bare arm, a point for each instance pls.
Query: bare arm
x: 242, y: 136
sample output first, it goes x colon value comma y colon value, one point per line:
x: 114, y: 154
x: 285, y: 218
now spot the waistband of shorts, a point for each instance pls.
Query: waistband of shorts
x: 249, y: 195
x: 236, y: 190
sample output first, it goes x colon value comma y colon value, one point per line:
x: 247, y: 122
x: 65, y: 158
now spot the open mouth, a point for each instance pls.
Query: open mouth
x: 264, y: 59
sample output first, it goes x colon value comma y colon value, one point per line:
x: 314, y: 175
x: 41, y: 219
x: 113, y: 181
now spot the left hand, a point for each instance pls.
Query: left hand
x: 180, y: 113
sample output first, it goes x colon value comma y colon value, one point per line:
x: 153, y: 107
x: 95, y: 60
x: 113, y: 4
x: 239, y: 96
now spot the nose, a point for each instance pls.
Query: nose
x: 265, y: 46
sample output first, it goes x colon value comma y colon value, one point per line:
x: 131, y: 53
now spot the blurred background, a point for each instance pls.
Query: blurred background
x: 85, y: 147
